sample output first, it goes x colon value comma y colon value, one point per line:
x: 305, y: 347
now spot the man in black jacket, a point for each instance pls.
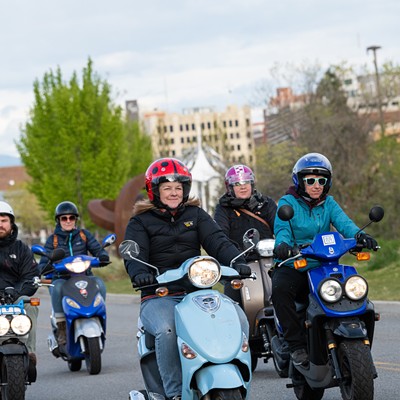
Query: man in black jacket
x: 17, y: 269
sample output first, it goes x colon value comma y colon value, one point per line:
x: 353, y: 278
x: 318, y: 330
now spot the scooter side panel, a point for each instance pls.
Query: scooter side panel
x: 252, y: 294
x: 206, y: 330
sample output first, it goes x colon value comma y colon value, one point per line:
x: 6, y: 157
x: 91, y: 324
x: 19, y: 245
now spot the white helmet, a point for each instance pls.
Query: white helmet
x: 5, y: 208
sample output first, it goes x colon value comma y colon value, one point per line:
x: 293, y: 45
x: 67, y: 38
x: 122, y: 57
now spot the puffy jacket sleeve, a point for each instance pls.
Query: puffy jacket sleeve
x: 137, y: 232
x: 93, y: 246
x: 221, y: 217
x: 214, y: 240
x: 28, y: 270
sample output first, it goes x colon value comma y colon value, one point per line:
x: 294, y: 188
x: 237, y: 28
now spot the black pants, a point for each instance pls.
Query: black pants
x: 288, y: 286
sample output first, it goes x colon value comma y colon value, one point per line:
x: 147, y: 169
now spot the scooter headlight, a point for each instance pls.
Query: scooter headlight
x: 21, y: 324
x: 78, y: 265
x: 4, y: 325
x: 356, y: 287
x: 265, y: 247
x: 204, y: 272
x: 331, y: 290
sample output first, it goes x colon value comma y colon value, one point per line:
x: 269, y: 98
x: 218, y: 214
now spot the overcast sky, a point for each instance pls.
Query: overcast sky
x: 180, y: 53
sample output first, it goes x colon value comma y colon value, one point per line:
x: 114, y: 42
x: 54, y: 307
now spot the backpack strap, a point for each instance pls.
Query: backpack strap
x: 83, y: 236
x: 55, y: 241
x: 248, y: 212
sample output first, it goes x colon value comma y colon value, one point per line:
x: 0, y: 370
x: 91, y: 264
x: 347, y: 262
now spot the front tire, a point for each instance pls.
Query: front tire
x: 305, y: 392
x: 93, y: 355
x: 226, y: 394
x: 13, y: 373
x: 357, y: 369
x: 75, y: 365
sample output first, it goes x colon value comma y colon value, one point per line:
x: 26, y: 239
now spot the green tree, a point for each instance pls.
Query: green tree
x: 74, y: 144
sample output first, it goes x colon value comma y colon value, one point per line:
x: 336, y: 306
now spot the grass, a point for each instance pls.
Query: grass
x: 382, y: 273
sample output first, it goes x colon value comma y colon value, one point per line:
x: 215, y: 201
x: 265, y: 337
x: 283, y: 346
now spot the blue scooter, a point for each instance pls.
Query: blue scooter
x: 215, y: 355
x: 339, y: 320
x: 84, y: 308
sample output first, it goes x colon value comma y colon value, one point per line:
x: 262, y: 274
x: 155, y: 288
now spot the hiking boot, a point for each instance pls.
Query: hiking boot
x: 32, y: 358
x: 62, y: 333
x: 300, y: 358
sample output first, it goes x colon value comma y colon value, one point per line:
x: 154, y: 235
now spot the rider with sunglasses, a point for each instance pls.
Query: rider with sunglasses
x: 314, y: 212
x: 74, y: 241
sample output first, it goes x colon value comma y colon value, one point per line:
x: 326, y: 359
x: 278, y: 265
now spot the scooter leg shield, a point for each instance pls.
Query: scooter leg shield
x: 219, y: 376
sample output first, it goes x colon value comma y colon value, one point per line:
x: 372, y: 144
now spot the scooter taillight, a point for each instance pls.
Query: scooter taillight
x: 363, y: 256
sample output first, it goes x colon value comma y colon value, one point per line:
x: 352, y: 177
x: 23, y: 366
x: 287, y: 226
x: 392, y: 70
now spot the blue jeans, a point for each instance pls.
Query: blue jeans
x: 56, y: 295
x: 163, y: 329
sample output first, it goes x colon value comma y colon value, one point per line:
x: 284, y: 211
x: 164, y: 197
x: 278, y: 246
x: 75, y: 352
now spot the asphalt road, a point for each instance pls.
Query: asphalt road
x: 120, y: 372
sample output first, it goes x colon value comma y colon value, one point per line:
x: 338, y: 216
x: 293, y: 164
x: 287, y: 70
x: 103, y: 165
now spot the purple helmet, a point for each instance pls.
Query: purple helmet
x: 238, y: 173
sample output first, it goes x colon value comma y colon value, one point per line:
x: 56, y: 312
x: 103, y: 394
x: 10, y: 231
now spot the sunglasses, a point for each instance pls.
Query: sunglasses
x: 66, y: 218
x: 311, y: 181
x: 241, y: 183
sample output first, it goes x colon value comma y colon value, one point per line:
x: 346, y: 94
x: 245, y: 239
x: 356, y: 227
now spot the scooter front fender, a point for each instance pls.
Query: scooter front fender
x: 88, y: 327
x: 219, y: 376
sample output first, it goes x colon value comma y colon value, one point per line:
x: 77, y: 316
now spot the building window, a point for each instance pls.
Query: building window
x: 171, y: 128
x: 209, y: 125
x: 202, y: 126
x: 232, y: 148
x: 188, y: 140
x: 193, y: 127
x: 248, y: 135
x: 249, y: 146
x: 238, y: 147
x: 173, y: 153
x: 236, y: 122
x: 231, y: 135
x: 182, y: 140
x: 181, y: 127
x: 224, y: 124
x: 172, y: 141
x: 187, y: 127
x: 247, y: 122
x: 237, y: 135
x: 165, y: 129
x: 230, y: 122
x: 194, y: 139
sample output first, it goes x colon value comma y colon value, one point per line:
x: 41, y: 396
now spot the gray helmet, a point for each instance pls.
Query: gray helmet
x: 66, y: 208
x: 5, y: 208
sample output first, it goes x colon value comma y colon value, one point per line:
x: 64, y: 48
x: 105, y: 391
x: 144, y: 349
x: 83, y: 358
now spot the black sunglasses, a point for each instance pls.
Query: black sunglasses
x: 311, y: 181
x: 65, y: 218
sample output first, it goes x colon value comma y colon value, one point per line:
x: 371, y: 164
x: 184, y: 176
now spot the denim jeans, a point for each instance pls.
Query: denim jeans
x: 56, y: 295
x: 158, y: 318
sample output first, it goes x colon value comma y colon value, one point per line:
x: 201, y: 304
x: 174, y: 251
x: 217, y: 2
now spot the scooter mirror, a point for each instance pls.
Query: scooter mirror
x: 128, y: 249
x: 376, y: 213
x: 251, y: 237
x: 285, y: 212
x: 109, y: 240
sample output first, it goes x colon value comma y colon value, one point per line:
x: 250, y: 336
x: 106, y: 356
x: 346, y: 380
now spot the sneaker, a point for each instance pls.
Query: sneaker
x: 300, y: 357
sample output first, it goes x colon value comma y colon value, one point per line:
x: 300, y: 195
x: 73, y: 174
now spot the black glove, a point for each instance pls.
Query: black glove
x: 366, y: 241
x: 143, y: 279
x: 283, y: 251
x: 242, y: 269
x: 104, y: 260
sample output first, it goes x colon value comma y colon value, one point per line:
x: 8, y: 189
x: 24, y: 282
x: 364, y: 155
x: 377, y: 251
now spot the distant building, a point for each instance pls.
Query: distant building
x: 229, y: 132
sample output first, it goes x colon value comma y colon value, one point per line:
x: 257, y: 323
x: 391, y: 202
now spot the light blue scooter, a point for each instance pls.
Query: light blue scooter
x: 214, y: 350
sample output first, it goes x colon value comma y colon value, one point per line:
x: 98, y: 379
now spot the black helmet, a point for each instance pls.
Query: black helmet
x: 66, y: 208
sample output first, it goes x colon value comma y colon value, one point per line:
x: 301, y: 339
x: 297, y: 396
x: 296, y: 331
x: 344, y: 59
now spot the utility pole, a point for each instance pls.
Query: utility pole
x: 378, y: 89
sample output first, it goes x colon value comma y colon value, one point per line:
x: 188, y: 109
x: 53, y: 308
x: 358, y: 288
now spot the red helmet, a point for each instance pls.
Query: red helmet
x: 167, y: 170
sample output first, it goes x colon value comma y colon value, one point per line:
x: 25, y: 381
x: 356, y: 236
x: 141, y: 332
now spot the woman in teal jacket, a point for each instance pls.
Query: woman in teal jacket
x: 314, y: 212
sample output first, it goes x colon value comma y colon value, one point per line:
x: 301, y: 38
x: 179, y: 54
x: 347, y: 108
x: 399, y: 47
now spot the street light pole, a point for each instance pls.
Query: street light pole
x: 378, y: 89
